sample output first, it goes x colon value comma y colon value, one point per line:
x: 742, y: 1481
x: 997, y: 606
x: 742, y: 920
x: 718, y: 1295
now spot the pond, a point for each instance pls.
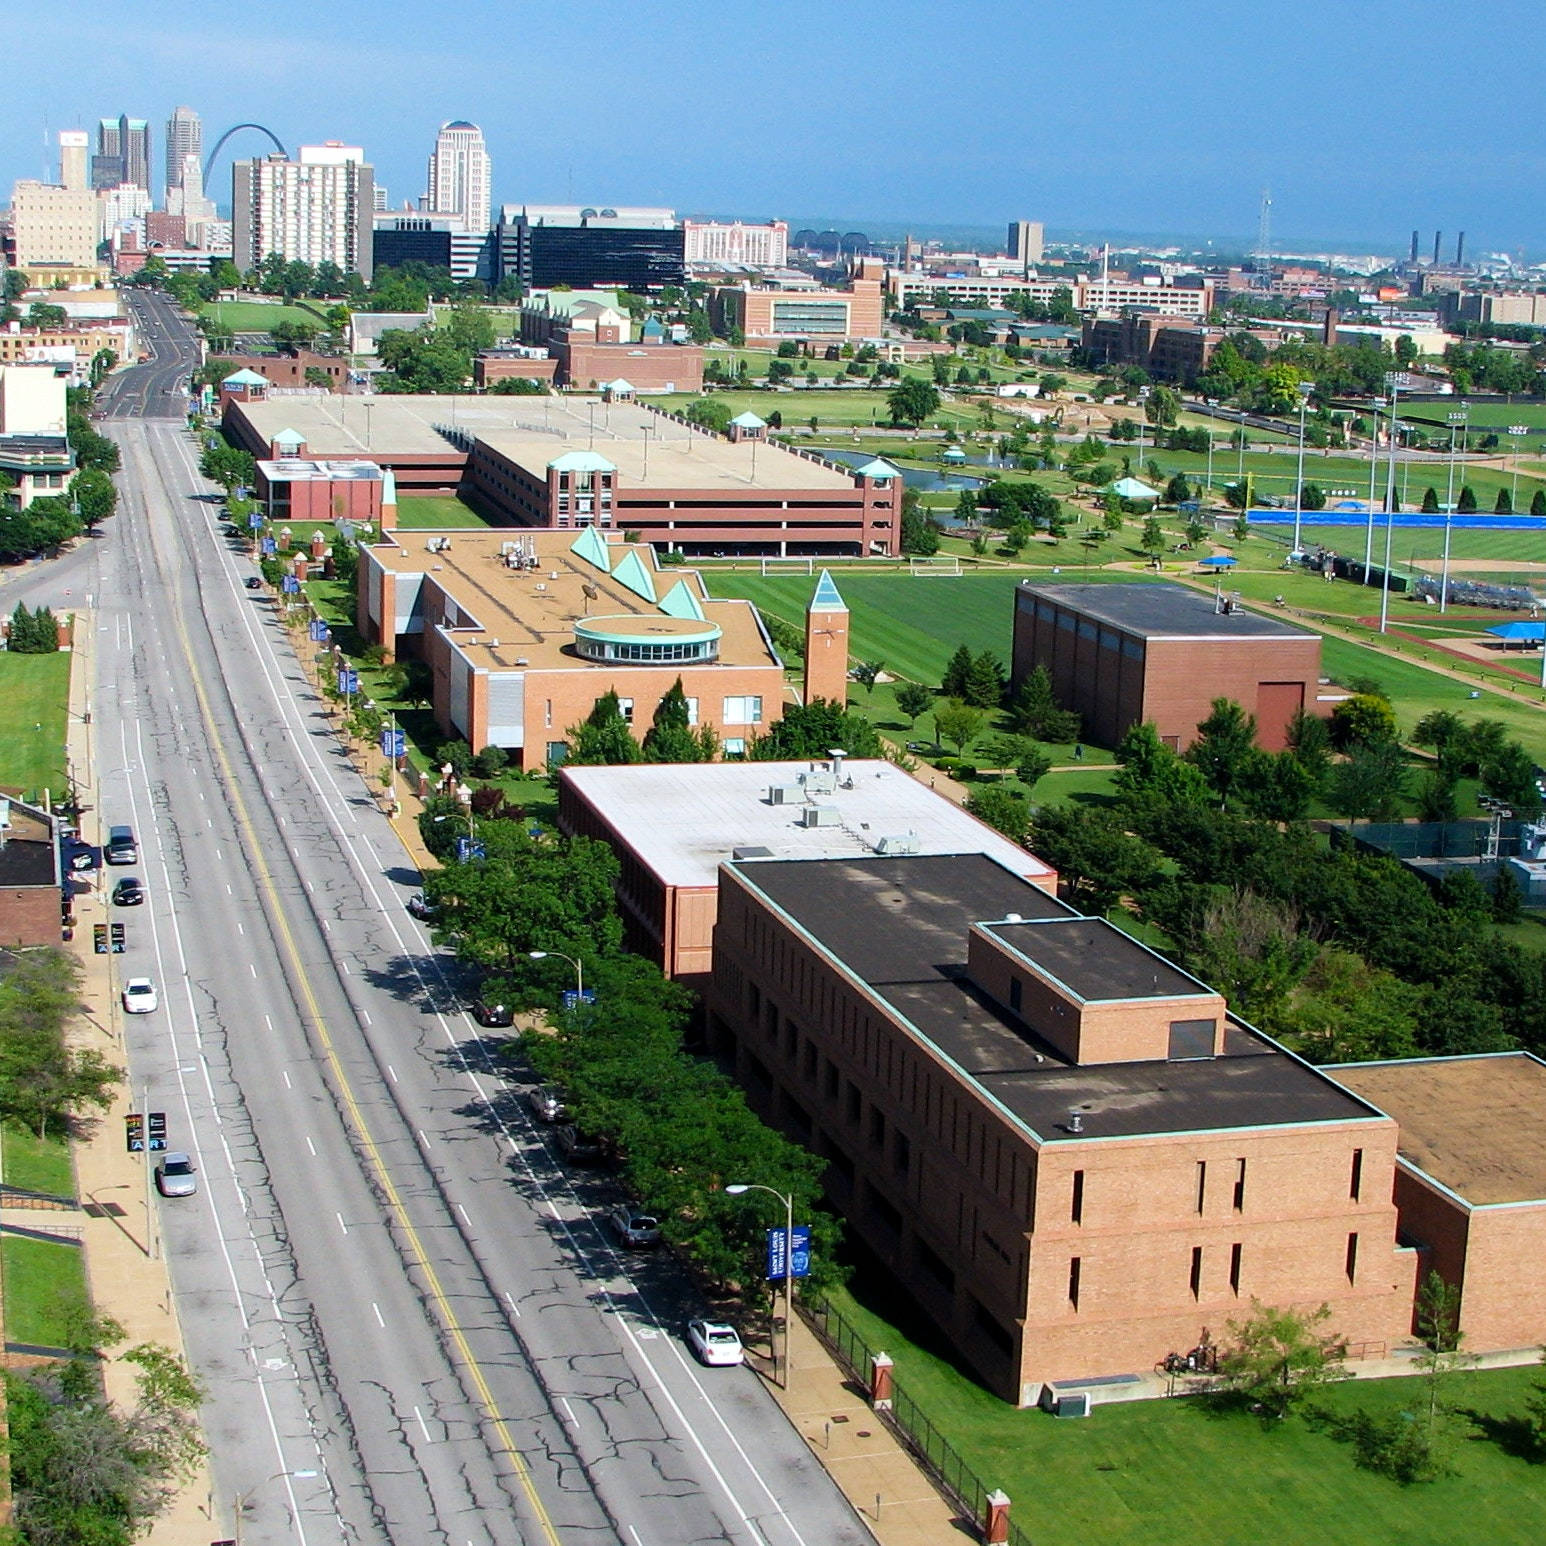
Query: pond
x: 923, y: 479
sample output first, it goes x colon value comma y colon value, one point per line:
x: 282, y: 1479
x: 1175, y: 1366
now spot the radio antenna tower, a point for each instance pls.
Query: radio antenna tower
x: 1264, y: 230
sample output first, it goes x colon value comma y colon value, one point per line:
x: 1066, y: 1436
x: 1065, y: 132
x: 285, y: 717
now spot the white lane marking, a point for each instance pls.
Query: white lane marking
x: 310, y: 1145
x: 423, y: 1426
x: 563, y: 1401
x: 391, y: 1073
x: 467, y: 1221
x: 345, y: 965
x: 343, y: 1226
x: 515, y: 1309
x: 286, y: 1073
x: 422, y: 1138
x: 377, y: 1308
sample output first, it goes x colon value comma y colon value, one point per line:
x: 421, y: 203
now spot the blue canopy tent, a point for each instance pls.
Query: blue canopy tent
x: 1217, y: 561
x: 1519, y: 633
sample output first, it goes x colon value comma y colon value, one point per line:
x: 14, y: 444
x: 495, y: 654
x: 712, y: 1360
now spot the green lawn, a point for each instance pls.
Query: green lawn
x: 44, y: 1282
x: 1411, y: 543
x: 255, y: 317
x: 422, y: 512
x: 37, y: 1164
x: 1178, y: 1473
x: 34, y: 693
x: 837, y: 405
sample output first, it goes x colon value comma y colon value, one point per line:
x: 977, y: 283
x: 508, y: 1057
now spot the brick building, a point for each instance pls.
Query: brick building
x: 32, y: 894
x: 292, y: 487
x: 524, y: 631
x: 291, y: 368
x: 1122, y: 654
x: 1065, y: 1148
x: 1470, y: 1184
x: 703, y: 814
x: 764, y: 313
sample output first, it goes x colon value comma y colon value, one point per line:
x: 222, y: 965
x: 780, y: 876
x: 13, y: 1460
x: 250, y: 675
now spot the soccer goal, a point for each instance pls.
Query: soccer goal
x: 787, y: 566
x: 921, y: 568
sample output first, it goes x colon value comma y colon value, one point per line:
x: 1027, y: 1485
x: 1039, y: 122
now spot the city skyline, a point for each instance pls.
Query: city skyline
x: 772, y: 130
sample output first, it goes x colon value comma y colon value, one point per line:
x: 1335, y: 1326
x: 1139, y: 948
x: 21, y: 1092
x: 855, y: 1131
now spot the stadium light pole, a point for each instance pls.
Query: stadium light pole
x: 1378, y: 404
x: 1456, y: 420
x: 1212, y: 403
x: 1390, y: 501
x: 1516, y: 433
x: 1304, y: 402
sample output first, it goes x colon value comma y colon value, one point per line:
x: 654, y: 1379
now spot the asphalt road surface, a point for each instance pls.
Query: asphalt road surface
x: 409, y: 1323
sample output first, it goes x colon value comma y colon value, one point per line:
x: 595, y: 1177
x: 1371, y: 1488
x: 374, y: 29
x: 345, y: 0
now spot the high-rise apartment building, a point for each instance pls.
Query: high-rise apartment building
x: 184, y: 138
x: 459, y: 177
x: 737, y: 244
x: 123, y: 153
x: 74, y: 159
x: 1026, y: 241
x: 316, y: 209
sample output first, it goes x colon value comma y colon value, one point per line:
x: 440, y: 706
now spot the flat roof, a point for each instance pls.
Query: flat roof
x: 1477, y: 1125
x: 684, y: 820
x: 302, y: 470
x: 533, y: 431
x: 1095, y: 960
x: 901, y: 926
x: 520, y: 619
x: 1161, y: 610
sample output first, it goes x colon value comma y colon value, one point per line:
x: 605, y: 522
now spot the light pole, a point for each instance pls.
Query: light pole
x: 1378, y: 404
x: 1516, y: 433
x: 1212, y: 403
x: 1390, y: 502
x: 579, y: 971
x: 1304, y: 403
x: 1456, y: 420
x: 787, y: 1198
x: 1143, y: 400
x: 368, y: 403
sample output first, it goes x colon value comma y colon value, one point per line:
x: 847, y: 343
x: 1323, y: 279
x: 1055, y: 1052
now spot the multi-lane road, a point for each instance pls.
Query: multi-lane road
x: 410, y: 1327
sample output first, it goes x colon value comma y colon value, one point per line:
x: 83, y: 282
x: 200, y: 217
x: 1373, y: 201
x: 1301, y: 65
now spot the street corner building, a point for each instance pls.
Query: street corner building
x: 1123, y: 654
x: 525, y: 631
x: 1067, y: 1149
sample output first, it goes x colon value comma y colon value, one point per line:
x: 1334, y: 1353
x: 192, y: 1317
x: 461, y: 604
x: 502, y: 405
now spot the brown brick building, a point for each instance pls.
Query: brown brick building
x: 1065, y: 1148
x: 1121, y: 654
x: 32, y: 887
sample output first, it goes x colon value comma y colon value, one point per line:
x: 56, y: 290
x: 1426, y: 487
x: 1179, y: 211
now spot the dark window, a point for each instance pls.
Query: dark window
x: 1196, y: 1272
x: 1239, y: 1185
x: 1014, y: 994
x: 854, y: 1104
x: 808, y: 1061
x: 1234, y: 1268
x: 829, y: 1078
x: 1190, y: 1039
x: 1076, y: 1212
x: 902, y: 1153
x: 791, y: 1038
x: 1075, y: 1264
x: 877, y: 1127
x: 1352, y: 1257
x: 1202, y: 1183
x: 1355, y: 1183
x: 990, y: 1328
x: 934, y: 1265
x: 753, y: 1001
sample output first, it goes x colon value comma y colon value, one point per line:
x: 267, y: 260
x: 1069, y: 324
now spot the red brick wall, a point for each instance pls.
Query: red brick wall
x: 1182, y: 677
x: 1503, y: 1302
x: 649, y: 367
x: 486, y: 371
x: 29, y: 915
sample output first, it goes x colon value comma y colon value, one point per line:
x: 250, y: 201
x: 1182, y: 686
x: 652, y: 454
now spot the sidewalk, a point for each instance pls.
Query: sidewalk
x: 124, y: 1281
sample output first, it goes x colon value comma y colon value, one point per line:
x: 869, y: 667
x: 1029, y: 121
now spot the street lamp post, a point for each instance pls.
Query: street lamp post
x: 1390, y: 502
x: 787, y: 1198
x: 1516, y: 432
x: 1304, y: 403
x: 579, y: 971
x: 368, y: 403
x: 1376, y: 403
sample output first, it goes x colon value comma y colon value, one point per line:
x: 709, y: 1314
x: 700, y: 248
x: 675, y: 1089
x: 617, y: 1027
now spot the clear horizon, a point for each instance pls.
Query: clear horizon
x: 1097, y: 122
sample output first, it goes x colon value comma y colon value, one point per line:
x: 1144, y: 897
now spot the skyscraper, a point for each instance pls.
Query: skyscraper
x: 184, y: 137
x: 74, y: 154
x: 1025, y: 242
x: 123, y: 153
x: 317, y: 209
x: 459, y: 176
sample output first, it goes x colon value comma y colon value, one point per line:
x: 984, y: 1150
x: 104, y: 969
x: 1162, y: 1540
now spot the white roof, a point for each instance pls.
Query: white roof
x: 684, y: 819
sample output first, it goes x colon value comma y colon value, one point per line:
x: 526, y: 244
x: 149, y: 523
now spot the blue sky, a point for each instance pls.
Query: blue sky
x: 1365, y: 117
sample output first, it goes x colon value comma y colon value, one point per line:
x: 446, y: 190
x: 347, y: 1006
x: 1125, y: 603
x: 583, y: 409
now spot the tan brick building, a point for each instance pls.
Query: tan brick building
x: 1121, y: 654
x: 524, y: 631
x: 1065, y: 1148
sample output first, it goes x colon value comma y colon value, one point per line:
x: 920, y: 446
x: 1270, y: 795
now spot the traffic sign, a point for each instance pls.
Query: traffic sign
x: 802, y: 1252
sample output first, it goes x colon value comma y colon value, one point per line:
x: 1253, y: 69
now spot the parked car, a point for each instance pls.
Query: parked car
x: 492, y: 1013
x: 580, y: 1148
x: 120, y: 847
x: 254, y: 583
x: 547, y: 1104
x: 128, y: 892
x: 635, y: 1229
x: 175, y: 1175
x: 715, y: 1342
x: 140, y: 996
x: 422, y: 908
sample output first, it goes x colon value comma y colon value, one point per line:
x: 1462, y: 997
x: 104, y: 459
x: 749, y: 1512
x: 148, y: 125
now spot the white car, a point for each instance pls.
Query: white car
x: 139, y: 996
x: 715, y: 1342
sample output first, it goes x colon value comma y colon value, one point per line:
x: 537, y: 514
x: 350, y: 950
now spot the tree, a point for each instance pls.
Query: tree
x: 45, y: 1083
x: 1152, y: 540
x: 1435, y: 797
x: 603, y: 737
x: 1004, y: 809
x: 94, y: 495
x: 1509, y: 775
x: 44, y: 525
x: 1430, y: 505
x: 708, y: 413
x: 1225, y: 742
x: 1504, y: 505
x: 1034, y: 711
x: 1309, y: 739
x: 1364, y: 719
x: 1152, y: 771
x: 1162, y: 406
x: 1177, y: 492
x: 672, y: 737
x: 912, y: 401
x: 1370, y: 783
x: 1312, y: 497
x: 914, y: 700
x: 43, y: 314
x: 866, y: 673
x: 812, y: 730
x: 958, y: 723
x: 1538, y: 503
x: 985, y: 682
x: 1466, y: 504
x: 1098, y: 861
x: 920, y: 532
x: 1277, y: 1356
x: 957, y: 672
x: 228, y: 466
x: 427, y: 360
x: 490, y: 762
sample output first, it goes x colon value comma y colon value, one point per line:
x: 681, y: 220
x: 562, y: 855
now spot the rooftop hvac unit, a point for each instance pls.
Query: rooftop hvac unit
x: 821, y: 816
x: 785, y: 794
x: 821, y: 782
x: 751, y: 851
x: 899, y: 843
x: 1074, y: 1403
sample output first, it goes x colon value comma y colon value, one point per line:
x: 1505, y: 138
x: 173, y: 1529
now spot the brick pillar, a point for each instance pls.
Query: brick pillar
x: 880, y: 1382
x: 995, y: 1526
x: 318, y: 545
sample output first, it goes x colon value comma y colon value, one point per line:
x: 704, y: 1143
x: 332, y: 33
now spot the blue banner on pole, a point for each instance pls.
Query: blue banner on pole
x: 318, y: 630
x: 394, y: 743
x: 470, y: 848
x: 290, y: 585
x: 572, y: 1000
x: 268, y: 546
x: 348, y: 681
x: 254, y: 521
x: 802, y: 1252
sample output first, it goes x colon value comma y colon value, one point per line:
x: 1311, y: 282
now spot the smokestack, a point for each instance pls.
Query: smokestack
x: 1438, y: 236
x: 1414, y: 246
x: 1460, y: 250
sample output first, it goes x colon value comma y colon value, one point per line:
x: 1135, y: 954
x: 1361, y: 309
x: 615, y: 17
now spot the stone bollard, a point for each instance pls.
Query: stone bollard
x: 880, y: 1382
x: 995, y: 1528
